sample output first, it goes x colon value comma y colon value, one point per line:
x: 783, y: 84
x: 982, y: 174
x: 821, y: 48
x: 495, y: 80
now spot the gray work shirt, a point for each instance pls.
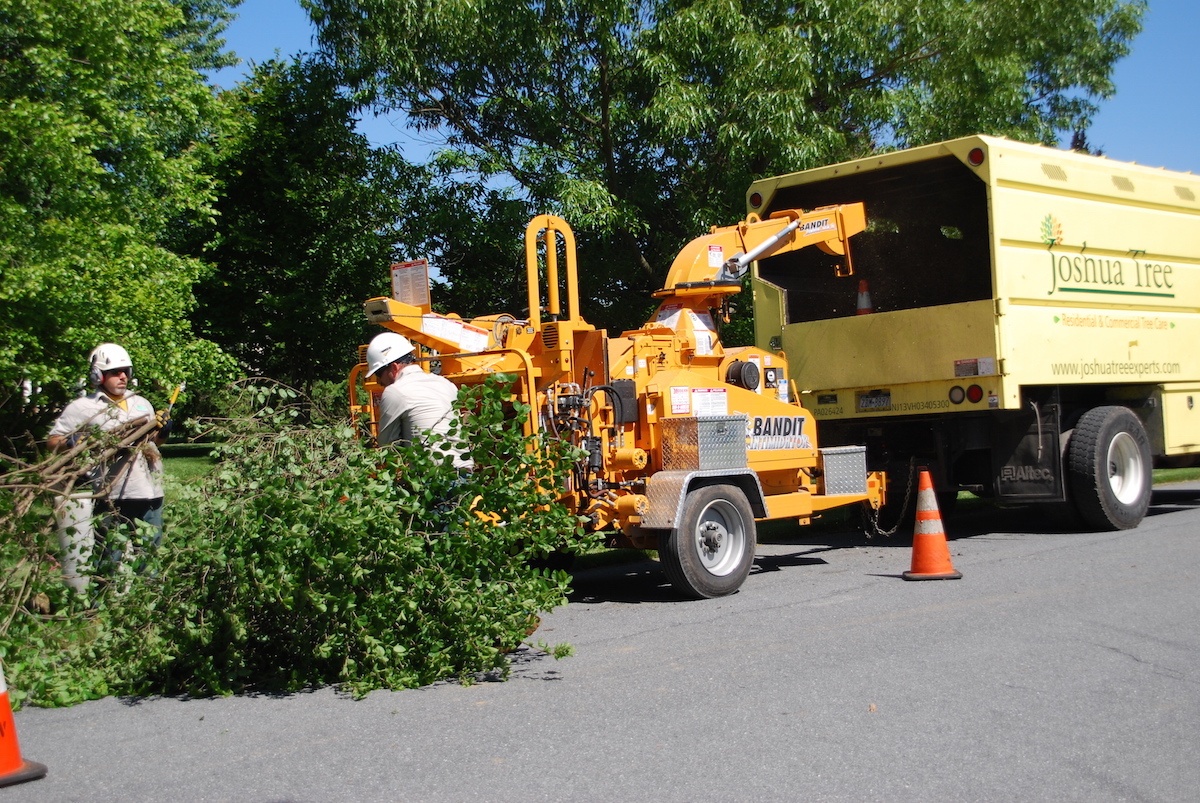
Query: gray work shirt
x: 416, y: 403
x: 134, y: 475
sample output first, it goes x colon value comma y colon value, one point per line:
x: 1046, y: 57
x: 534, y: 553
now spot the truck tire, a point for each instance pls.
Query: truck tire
x: 1109, y: 468
x: 710, y: 553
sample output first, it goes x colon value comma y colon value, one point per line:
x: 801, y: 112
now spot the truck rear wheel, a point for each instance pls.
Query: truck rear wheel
x: 710, y: 553
x: 1109, y: 468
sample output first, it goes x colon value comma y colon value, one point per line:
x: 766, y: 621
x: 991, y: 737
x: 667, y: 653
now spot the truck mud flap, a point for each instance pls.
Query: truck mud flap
x: 1027, y: 456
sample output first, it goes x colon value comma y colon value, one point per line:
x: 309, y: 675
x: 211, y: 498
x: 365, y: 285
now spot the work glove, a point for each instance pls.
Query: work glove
x: 163, y: 420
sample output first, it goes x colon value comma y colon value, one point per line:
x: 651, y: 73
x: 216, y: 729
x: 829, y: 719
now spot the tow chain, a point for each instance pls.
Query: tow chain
x: 870, y: 515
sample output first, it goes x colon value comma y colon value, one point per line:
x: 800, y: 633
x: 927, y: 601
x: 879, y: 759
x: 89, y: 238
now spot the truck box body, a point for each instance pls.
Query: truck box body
x: 1012, y: 287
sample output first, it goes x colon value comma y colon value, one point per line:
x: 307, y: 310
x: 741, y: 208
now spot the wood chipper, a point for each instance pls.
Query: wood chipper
x: 687, y: 443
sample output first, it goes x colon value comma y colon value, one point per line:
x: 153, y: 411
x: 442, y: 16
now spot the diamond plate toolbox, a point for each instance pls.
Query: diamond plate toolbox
x: 704, y: 443
x: 845, y: 469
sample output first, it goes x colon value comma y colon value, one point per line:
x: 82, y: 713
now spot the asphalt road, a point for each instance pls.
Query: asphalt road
x: 1062, y: 666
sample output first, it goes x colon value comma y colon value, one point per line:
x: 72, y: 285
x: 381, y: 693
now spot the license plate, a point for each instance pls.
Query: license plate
x: 874, y: 401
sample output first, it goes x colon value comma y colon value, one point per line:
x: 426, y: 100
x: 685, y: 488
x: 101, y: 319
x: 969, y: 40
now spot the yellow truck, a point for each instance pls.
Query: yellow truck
x: 1023, y: 320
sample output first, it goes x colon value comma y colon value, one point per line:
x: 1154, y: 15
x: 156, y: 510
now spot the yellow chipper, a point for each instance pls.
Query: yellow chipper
x: 687, y: 443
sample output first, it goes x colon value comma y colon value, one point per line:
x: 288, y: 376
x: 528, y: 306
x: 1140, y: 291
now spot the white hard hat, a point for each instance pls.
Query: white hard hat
x: 106, y: 357
x: 385, y: 348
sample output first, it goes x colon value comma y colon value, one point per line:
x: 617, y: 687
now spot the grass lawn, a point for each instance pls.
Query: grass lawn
x: 181, y: 471
x: 1163, y: 475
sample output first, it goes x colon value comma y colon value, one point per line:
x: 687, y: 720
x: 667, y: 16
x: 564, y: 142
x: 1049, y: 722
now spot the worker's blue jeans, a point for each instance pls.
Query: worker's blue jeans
x: 116, y: 512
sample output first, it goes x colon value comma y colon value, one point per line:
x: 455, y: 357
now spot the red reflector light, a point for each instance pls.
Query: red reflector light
x: 755, y: 199
x: 957, y: 394
x: 975, y: 157
x: 974, y: 394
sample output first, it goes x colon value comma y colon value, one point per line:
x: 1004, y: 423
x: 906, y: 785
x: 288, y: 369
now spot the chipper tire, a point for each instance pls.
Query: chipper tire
x: 711, y: 551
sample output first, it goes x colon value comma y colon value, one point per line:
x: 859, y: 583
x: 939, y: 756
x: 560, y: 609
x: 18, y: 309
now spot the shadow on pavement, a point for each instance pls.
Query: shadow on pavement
x: 640, y: 578
x: 1169, y: 500
x: 775, y: 563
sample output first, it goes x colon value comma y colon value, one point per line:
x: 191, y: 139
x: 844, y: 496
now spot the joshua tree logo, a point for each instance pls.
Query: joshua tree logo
x: 1051, y: 231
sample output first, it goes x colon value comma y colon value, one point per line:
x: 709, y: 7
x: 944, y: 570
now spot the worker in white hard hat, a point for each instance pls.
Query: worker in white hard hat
x: 131, y: 486
x: 414, y: 402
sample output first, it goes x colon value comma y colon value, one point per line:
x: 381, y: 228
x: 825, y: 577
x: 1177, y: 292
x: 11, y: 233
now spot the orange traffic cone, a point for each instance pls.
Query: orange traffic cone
x: 864, y: 298
x: 931, y: 555
x: 13, y: 769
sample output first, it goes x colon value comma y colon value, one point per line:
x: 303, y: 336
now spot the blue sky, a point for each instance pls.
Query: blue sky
x: 1154, y: 119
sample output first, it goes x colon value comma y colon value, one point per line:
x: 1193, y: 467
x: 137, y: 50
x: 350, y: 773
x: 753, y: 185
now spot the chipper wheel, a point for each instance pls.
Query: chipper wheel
x: 710, y: 553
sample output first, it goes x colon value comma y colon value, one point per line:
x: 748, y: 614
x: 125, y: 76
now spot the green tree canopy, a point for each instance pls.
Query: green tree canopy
x: 103, y: 105
x: 642, y: 121
x: 309, y: 218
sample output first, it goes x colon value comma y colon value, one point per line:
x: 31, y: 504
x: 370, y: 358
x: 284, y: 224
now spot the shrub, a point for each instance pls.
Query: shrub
x: 309, y: 558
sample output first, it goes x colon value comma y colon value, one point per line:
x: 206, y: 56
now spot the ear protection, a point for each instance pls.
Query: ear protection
x: 95, y: 375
